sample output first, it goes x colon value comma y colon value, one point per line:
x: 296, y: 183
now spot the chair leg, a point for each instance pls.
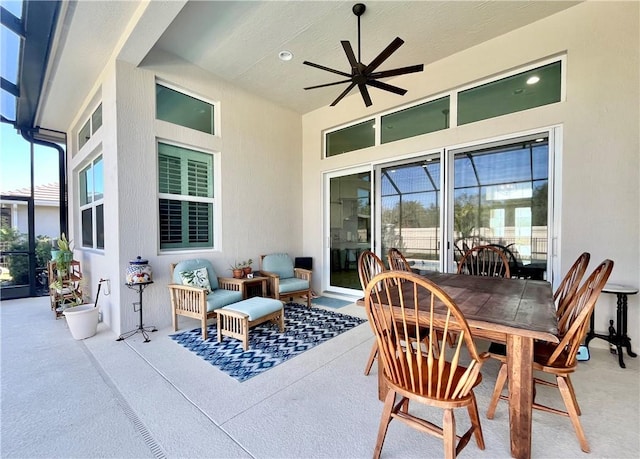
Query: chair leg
x: 500, y: 382
x: 204, y: 328
x: 384, y: 422
x: 573, y: 395
x: 372, y: 356
x: 449, y: 433
x: 568, y: 399
x: 475, y: 422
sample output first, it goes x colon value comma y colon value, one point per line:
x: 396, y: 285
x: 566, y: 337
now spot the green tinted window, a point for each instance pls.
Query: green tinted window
x: 351, y: 138
x: 533, y: 88
x: 421, y: 119
x: 84, y: 135
x: 177, y: 108
x: 96, y: 119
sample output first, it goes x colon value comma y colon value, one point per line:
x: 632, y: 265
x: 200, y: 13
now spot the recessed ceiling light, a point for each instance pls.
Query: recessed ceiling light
x: 533, y: 80
x: 285, y: 55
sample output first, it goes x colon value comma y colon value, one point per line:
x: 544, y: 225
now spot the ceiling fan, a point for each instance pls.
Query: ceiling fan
x: 362, y: 75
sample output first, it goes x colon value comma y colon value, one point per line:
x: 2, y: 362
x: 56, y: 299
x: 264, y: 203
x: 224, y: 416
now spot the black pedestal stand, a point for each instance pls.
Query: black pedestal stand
x: 141, y: 328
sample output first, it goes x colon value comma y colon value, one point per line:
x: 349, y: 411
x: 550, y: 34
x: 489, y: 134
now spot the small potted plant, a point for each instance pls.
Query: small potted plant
x: 63, y: 256
x: 246, y: 267
x: 237, y: 270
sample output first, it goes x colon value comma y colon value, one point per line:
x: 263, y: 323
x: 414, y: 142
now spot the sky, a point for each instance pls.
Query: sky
x: 14, y: 150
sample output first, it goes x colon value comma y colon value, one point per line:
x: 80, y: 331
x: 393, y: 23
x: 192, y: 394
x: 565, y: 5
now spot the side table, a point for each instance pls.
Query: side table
x: 141, y: 328
x: 619, y: 337
x: 247, y: 285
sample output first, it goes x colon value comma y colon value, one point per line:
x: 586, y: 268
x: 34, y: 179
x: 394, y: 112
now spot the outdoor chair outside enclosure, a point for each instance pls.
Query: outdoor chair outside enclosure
x: 197, y: 292
x: 414, y: 372
x: 284, y: 279
x: 560, y: 360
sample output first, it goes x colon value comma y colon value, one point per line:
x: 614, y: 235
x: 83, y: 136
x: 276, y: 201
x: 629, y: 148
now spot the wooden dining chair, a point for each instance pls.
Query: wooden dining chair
x: 570, y: 283
x: 397, y: 261
x: 369, y: 265
x: 484, y: 260
x: 414, y: 373
x: 560, y: 360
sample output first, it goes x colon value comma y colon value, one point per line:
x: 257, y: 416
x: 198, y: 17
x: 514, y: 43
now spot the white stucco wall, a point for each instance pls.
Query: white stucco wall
x: 261, y: 197
x: 600, y: 168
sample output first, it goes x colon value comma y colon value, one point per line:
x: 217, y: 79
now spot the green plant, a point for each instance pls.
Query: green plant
x: 241, y: 264
x: 64, y: 255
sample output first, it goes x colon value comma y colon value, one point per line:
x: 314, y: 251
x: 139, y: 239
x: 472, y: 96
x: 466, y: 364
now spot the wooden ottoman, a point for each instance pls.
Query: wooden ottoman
x: 236, y: 319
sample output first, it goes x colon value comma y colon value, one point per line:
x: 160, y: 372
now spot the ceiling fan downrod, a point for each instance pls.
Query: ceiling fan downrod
x: 359, y: 9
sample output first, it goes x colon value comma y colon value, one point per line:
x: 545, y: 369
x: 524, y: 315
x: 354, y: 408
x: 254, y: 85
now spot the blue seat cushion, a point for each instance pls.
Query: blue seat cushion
x: 221, y: 297
x: 256, y: 307
x: 278, y: 263
x: 193, y: 264
x: 293, y: 284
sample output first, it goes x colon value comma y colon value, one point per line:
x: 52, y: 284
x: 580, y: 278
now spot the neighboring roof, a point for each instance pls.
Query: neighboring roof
x: 42, y: 194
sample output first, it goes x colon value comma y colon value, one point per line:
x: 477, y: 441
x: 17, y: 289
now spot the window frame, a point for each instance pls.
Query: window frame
x: 215, y: 183
x: 91, y: 204
x: 453, y: 102
x: 216, y: 125
x: 89, y: 123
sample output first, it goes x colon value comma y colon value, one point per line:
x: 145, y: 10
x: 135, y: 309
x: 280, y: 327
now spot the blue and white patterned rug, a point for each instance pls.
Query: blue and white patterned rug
x: 304, y: 328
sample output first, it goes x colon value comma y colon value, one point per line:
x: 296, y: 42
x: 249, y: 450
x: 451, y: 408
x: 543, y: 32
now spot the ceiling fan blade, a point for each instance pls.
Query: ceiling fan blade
x: 322, y: 67
x: 387, y: 87
x: 348, y: 50
x: 344, y: 93
x: 365, y: 94
x: 398, y: 71
x: 384, y: 55
x: 329, y: 84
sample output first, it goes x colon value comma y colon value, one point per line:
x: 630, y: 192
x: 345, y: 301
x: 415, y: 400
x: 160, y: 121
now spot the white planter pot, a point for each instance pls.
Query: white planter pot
x: 82, y: 320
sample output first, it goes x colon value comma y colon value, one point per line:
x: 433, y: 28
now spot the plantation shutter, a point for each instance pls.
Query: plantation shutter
x: 185, y: 174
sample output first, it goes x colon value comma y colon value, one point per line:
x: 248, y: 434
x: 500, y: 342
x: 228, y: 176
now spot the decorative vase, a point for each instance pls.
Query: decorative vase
x: 246, y: 270
x: 139, y: 271
x: 238, y: 274
x: 82, y: 320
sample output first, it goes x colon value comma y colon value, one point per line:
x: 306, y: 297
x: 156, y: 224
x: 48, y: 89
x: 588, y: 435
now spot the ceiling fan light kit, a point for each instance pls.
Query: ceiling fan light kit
x: 362, y: 75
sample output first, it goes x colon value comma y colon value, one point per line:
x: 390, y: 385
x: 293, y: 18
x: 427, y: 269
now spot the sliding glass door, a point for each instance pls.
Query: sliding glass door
x: 349, y: 227
x: 410, y: 211
x: 435, y: 206
x: 501, y: 197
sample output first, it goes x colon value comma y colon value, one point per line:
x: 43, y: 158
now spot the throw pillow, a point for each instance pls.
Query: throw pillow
x: 197, y: 278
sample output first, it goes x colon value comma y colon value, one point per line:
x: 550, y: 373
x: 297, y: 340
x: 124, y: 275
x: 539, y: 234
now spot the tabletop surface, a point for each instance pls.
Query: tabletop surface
x: 617, y: 288
x: 513, y: 306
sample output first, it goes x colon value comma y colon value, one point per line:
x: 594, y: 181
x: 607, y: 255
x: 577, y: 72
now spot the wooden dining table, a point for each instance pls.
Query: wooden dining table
x: 511, y: 311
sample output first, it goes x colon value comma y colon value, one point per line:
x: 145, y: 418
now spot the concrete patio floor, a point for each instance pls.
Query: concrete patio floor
x: 98, y: 398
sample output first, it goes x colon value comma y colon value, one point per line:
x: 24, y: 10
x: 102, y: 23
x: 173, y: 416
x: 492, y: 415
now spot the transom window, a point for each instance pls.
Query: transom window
x: 90, y: 127
x: 530, y: 88
x: 186, y: 197
x: 185, y: 110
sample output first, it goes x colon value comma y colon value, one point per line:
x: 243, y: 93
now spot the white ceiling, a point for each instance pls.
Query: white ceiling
x: 239, y: 41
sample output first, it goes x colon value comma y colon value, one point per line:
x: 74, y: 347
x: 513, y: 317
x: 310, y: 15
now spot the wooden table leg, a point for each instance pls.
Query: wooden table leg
x: 520, y: 366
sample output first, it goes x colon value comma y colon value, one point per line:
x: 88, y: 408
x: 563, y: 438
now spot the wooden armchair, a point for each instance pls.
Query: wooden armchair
x: 560, y: 360
x: 415, y: 373
x: 194, y: 296
x: 484, y: 260
x: 284, y: 279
